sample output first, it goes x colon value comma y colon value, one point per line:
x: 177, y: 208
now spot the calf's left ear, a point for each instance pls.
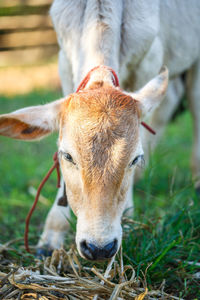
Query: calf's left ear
x: 150, y: 96
x: 32, y: 123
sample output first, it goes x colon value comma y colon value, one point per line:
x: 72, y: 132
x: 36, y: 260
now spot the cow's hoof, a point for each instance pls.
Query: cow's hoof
x: 43, y: 252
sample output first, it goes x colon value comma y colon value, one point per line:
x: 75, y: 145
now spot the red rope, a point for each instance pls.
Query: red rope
x: 148, y: 127
x: 55, y: 165
x: 87, y: 77
x: 55, y: 157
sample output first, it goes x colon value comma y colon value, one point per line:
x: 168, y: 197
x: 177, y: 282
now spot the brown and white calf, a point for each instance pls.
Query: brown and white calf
x: 99, y: 145
x: 100, y: 137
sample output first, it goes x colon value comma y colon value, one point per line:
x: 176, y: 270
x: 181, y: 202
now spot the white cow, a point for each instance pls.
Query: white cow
x: 135, y: 38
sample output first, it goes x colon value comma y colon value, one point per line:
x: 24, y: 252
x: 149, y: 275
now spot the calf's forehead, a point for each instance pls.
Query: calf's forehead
x: 101, y: 122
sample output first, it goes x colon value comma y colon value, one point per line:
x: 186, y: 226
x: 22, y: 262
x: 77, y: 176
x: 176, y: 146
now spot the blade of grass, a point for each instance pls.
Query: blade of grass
x: 170, y: 246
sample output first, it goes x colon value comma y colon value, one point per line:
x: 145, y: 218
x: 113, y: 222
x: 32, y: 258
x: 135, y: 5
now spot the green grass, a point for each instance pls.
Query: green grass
x: 165, y: 201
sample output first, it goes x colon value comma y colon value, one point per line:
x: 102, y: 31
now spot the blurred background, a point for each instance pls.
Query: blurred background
x: 28, y: 76
x: 28, y: 47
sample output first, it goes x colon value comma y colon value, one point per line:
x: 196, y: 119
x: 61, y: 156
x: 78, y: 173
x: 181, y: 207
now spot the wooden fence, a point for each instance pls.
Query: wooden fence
x: 26, y: 32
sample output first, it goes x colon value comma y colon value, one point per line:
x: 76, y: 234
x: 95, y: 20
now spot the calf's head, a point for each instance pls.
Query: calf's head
x: 99, y: 147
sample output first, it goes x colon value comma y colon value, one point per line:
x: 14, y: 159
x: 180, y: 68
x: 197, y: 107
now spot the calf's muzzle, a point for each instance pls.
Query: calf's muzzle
x: 93, y: 252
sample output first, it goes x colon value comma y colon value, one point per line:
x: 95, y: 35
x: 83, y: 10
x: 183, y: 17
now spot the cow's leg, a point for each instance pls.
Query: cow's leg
x: 160, y: 118
x: 56, y: 224
x: 193, y: 95
x: 55, y: 227
x: 164, y: 112
x: 65, y: 72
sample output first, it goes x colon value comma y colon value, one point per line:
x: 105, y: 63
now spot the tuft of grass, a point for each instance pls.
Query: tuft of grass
x: 169, y: 247
x: 163, y: 238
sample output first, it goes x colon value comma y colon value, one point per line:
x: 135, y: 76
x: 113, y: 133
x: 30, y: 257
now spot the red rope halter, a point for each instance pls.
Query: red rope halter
x: 55, y: 166
x: 87, y: 78
x: 55, y: 157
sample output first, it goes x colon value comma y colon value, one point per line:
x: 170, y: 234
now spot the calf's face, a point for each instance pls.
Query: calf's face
x: 99, y: 147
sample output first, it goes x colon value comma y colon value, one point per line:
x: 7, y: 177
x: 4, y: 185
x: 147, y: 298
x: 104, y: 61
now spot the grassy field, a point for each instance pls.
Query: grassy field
x: 165, y: 234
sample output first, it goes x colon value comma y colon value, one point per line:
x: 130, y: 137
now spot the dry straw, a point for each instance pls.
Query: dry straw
x: 62, y: 276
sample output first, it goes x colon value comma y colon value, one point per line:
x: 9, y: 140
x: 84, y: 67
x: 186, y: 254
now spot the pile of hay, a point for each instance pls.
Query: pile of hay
x: 62, y: 276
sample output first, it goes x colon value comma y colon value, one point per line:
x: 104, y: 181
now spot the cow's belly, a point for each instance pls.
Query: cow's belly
x: 180, y: 34
x: 180, y: 57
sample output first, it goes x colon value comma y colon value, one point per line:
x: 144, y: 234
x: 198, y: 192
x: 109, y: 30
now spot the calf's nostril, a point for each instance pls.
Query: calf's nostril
x: 86, y: 250
x: 92, y: 252
x: 111, y: 249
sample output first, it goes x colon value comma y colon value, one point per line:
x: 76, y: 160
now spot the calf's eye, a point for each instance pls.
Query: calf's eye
x: 67, y: 157
x: 137, y: 160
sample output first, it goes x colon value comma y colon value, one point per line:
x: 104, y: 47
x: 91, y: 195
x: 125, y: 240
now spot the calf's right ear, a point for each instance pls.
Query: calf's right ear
x: 32, y: 123
x: 150, y: 96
